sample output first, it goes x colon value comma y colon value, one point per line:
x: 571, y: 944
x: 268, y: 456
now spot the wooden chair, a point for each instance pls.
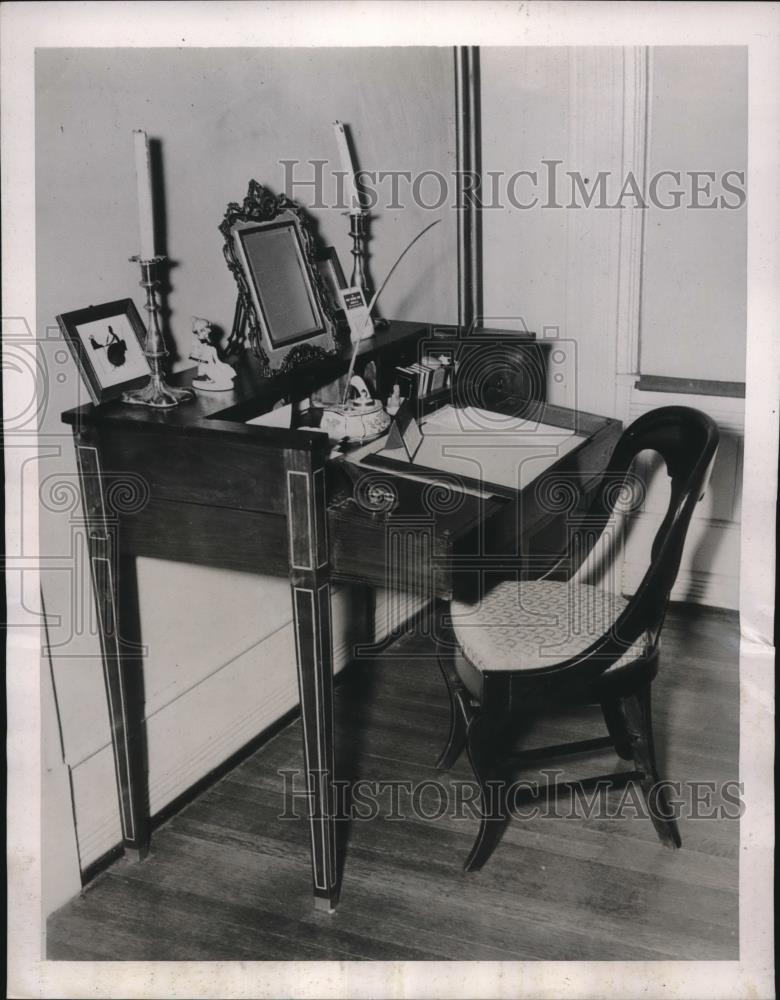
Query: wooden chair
x: 532, y: 646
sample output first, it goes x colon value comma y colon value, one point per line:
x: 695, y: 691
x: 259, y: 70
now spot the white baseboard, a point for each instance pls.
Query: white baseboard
x: 709, y: 572
x: 716, y: 590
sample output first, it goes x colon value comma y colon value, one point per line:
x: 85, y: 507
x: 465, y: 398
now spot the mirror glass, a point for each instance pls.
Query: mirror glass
x: 276, y: 266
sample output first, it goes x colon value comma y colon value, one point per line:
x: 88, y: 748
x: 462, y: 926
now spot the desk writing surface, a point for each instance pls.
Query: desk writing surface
x: 484, y: 447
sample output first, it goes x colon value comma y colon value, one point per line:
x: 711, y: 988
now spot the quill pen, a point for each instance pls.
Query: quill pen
x: 372, y: 303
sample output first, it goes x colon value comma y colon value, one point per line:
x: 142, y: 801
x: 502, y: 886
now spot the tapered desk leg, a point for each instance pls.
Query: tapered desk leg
x: 121, y: 668
x: 309, y: 580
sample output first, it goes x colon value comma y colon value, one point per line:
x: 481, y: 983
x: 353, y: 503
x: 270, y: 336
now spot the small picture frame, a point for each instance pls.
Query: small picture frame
x: 333, y: 282
x: 329, y: 266
x: 106, y: 342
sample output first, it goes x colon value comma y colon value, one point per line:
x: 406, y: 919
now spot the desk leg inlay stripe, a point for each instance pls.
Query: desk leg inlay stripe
x: 315, y: 681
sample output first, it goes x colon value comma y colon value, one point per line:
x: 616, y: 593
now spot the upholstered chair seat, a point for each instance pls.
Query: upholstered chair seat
x: 533, y: 625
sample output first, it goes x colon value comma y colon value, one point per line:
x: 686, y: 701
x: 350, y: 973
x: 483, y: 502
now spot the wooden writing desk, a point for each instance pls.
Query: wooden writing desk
x: 197, y: 484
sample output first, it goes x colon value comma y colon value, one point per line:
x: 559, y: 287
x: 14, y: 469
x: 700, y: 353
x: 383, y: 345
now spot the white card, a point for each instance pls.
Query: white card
x: 354, y: 305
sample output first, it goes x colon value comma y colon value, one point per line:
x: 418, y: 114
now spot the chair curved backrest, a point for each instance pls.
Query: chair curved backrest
x: 687, y: 441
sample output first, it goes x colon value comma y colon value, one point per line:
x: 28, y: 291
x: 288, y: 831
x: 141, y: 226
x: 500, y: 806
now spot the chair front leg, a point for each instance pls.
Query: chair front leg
x: 460, y: 713
x: 485, y: 741
x: 461, y: 710
x: 640, y: 729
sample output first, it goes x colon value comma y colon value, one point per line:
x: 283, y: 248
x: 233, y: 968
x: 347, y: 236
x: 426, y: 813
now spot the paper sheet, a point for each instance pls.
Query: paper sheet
x: 279, y: 417
x: 488, y: 447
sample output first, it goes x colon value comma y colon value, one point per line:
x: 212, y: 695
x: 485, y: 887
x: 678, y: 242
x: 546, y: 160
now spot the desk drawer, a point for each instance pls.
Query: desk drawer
x: 389, y: 554
x: 202, y: 469
x: 220, y: 537
x: 412, y: 547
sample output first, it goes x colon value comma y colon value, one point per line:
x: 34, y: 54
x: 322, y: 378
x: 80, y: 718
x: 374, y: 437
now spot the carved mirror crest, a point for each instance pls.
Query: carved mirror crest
x: 269, y: 248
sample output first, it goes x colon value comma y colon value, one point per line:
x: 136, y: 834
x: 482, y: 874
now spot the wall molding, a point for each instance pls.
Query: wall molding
x: 692, y: 386
x: 632, y: 222
x: 727, y: 411
x: 603, y: 247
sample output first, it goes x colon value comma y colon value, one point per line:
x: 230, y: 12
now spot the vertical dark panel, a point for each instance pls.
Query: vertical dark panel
x: 469, y: 174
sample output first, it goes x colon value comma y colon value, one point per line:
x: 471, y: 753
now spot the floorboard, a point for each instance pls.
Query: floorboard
x: 228, y: 879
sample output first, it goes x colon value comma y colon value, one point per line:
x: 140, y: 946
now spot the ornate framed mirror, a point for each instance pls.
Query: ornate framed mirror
x: 282, y: 301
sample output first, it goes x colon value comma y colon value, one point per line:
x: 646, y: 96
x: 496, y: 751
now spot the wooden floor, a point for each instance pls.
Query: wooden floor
x: 226, y: 879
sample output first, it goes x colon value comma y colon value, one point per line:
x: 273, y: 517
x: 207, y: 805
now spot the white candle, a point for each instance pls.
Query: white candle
x: 350, y: 189
x: 143, y: 179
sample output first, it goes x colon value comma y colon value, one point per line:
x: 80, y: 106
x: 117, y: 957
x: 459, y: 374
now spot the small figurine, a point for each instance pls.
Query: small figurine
x: 394, y: 401
x: 213, y: 375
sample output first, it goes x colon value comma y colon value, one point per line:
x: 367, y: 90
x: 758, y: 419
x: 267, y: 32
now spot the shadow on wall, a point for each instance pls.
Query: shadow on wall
x: 165, y: 267
x: 703, y: 547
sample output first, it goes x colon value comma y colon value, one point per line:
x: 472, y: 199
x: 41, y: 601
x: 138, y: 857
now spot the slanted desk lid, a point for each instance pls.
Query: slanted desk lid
x: 484, y: 448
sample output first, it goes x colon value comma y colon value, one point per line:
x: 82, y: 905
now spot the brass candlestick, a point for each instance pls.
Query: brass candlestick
x: 156, y: 393
x: 358, y: 230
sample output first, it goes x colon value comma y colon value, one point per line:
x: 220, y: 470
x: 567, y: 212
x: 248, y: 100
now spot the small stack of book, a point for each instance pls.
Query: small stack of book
x: 421, y: 379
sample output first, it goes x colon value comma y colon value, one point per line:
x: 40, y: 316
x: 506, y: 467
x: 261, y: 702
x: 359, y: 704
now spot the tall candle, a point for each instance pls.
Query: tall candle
x: 353, y: 200
x: 143, y: 179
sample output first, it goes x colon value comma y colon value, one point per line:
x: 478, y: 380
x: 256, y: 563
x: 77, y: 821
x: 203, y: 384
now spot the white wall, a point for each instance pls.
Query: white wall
x: 695, y: 262
x: 693, y: 317
x: 220, y: 663
x: 586, y: 276
x: 525, y: 103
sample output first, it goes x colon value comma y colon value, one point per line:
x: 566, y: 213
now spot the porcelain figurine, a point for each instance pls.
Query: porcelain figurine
x: 213, y: 375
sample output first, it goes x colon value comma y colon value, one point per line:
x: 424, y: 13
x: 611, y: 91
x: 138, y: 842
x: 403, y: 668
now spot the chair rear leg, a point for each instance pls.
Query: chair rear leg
x: 616, y: 726
x: 485, y: 742
x: 640, y: 728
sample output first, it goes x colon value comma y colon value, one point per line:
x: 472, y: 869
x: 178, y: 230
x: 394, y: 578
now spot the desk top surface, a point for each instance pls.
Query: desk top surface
x: 251, y: 389
x: 224, y: 414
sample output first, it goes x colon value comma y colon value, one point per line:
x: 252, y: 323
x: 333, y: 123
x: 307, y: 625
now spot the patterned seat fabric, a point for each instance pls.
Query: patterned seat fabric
x: 525, y: 626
